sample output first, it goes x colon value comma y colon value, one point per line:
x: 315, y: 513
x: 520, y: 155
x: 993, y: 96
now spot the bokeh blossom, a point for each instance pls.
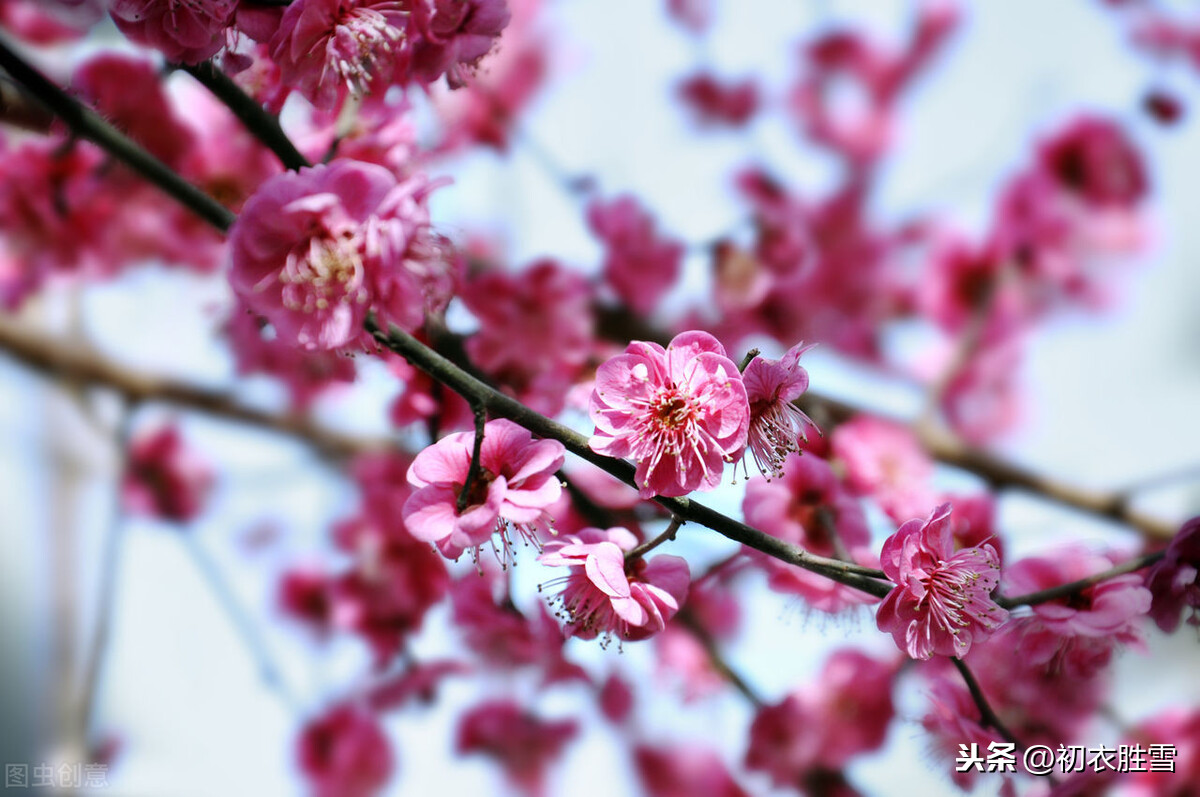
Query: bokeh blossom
x: 315, y: 250
x: 164, y: 477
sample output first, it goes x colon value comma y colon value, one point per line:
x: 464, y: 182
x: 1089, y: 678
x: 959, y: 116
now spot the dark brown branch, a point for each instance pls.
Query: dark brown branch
x: 500, y: 405
x: 85, y: 123
x: 62, y: 360
x: 476, y: 450
x: 987, y: 717
x: 648, y: 546
x: 264, y: 125
x: 1070, y: 588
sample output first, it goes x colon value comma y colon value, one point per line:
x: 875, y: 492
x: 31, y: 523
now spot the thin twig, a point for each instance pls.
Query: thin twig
x: 61, y: 360
x: 473, y: 469
x: 262, y: 124
x: 987, y: 717
x: 686, y: 619
x: 247, y: 630
x: 1070, y: 588
x: 648, y: 546
x: 106, y: 597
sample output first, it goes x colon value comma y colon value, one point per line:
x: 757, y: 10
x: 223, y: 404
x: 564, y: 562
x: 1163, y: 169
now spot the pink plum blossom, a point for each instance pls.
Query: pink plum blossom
x: 345, y: 753
x: 1174, y: 582
x: 602, y: 596
x: 484, y: 110
x: 639, y: 265
x: 941, y: 603
x: 394, y: 578
x: 1093, y: 158
x: 885, y: 460
x: 680, y: 413
x: 505, y: 637
x: 535, y: 333
x: 188, y: 31
x: 820, y: 727
x: 777, y: 426
x: 313, y: 251
x: 164, y: 478
x: 1078, y: 633
x: 307, y: 374
x: 454, y: 36
x: 809, y: 507
x: 328, y: 48
x: 515, y: 483
x: 521, y: 742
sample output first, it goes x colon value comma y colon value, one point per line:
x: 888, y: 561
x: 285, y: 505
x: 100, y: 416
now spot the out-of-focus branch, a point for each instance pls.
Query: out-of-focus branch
x: 1070, y: 588
x: 257, y: 120
x: 87, y: 124
x: 61, y: 360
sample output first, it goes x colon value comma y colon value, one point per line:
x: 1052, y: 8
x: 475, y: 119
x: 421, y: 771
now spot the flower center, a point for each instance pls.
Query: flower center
x: 329, y: 270
x: 672, y: 411
x: 361, y: 41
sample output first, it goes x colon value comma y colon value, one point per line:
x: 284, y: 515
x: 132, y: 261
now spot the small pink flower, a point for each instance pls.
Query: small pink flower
x: 515, y: 483
x: 600, y: 598
x: 535, y: 330
x: 638, y: 264
x: 326, y: 48
x: 503, y: 636
x: 1094, y: 159
x: 820, y: 727
x: 307, y: 374
x: 886, y: 461
x: 345, y: 753
x: 522, y: 743
x: 811, y: 508
x: 941, y: 603
x: 187, y: 31
x: 314, y: 250
x: 454, y: 36
x: 1174, y: 582
x: 679, y: 413
x: 164, y: 478
x: 777, y: 426
x: 1076, y: 634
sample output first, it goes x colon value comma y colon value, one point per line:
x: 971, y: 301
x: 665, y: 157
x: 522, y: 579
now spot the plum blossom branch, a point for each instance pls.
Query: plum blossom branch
x: 940, y: 444
x: 688, y: 621
x: 83, y: 366
x: 986, y: 715
x: 473, y: 469
x: 85, y: 123
x: 646, y: 547
x: 498, y: 404
x: 250, y: 634
x: 1072, y: 587
x: 106, y: 599
x: 263, y: 125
